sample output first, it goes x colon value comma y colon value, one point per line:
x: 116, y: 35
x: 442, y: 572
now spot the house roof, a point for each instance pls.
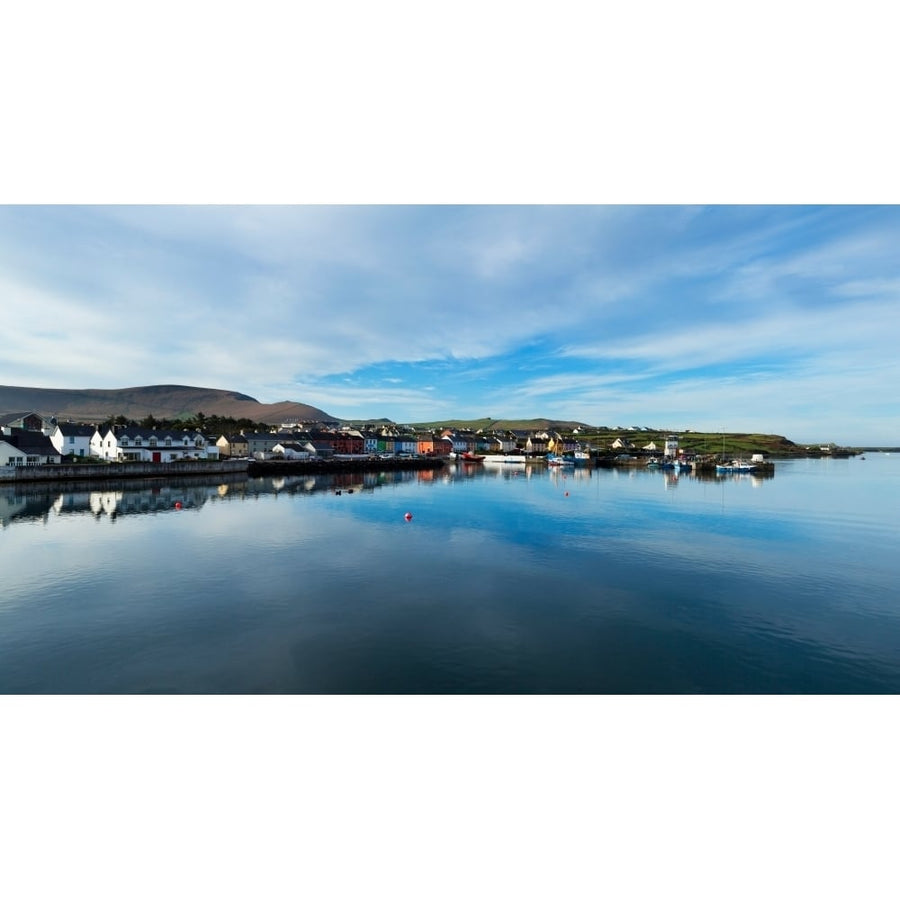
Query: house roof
x: 299, y: 448
x: 134, y: 431
x: 264, y: 436
x: 70, y: 429
x: 8, y: 418
x: 34, y: 442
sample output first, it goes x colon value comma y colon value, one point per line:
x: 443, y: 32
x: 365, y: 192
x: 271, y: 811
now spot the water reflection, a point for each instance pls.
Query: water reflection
x: 506, y: 579
x: 36, y: 502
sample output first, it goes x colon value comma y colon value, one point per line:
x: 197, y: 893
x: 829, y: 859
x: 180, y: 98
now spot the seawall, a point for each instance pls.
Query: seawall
x: 116, y: 471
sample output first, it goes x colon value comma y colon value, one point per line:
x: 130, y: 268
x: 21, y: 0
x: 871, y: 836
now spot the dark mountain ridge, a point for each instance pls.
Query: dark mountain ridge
x: 166, y: 401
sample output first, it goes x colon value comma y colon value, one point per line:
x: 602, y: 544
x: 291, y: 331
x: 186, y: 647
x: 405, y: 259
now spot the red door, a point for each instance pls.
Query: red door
x: 157, y: 457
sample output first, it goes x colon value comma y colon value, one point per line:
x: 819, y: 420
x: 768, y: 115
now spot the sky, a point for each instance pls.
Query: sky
x: 782, y: 319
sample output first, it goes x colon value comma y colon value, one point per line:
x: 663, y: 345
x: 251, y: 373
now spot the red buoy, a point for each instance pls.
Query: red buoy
x: 408, y: 517
x: 177, y: 504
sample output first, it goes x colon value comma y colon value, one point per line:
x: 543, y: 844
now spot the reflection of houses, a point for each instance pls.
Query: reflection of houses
x: 134, y: 444
x: 168, y: 498
x: 15, y: 504
x: 116, y: 502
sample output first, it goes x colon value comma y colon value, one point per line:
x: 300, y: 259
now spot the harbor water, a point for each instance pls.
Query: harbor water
x: 503, y: 579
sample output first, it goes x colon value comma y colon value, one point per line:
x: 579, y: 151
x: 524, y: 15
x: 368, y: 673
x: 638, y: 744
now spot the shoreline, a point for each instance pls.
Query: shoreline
x: 116, y: 472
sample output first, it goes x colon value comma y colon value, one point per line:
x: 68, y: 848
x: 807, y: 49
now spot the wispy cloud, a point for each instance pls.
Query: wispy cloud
x: 602, y: 314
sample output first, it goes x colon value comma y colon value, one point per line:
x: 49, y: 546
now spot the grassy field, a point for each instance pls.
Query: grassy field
x: 729, y: 444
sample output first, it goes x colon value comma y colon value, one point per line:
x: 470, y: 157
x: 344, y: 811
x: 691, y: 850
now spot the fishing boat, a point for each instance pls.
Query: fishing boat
x: 555, y: 460
x: 736, y: 466
x: 468, y: 457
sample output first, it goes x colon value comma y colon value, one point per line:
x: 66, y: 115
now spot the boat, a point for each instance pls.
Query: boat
x: 468, y: 457
x: 671, y: 462
x: 555, y: 460
x: 503, y: 458
x: 737, y: 466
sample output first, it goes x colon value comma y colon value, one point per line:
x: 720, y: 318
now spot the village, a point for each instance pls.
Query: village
x: 29, y: 439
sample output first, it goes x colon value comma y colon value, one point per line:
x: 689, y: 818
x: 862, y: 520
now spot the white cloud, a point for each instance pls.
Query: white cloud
x: 276, y: 301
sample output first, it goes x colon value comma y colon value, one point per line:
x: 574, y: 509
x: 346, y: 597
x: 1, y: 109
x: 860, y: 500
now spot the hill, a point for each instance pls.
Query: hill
x: 505, y: 424
x: 165, y: 401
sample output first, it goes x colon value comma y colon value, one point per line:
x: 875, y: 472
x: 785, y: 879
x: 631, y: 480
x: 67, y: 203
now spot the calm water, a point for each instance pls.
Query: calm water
x: 505, y: 580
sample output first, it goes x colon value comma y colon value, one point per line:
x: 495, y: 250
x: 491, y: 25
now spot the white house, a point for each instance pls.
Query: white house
x: 133, y: 444
x: 72, y: 440
x: 406, y: 443
x: 21, y: 447
x: 10, y: 455
x: 293, y: 450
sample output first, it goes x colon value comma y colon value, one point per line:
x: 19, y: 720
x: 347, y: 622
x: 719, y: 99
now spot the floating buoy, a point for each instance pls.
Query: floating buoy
x: 408, y: 517
x: 177, y: 504
x: 567, y: 493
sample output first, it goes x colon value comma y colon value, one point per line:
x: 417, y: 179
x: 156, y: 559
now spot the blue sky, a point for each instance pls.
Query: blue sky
x: 766, y: 318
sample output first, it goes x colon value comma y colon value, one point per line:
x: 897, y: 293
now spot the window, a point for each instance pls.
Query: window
x: 72, y: 439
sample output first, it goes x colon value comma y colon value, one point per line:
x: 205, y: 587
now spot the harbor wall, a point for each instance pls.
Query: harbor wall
x: 107, y: 471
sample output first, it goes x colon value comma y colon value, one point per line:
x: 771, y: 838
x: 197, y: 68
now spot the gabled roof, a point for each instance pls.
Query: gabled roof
x: 8, y: 418
x: 293, y: 445
x: 264, y: 436
x: 70, y: 429
x: 133, y: 431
